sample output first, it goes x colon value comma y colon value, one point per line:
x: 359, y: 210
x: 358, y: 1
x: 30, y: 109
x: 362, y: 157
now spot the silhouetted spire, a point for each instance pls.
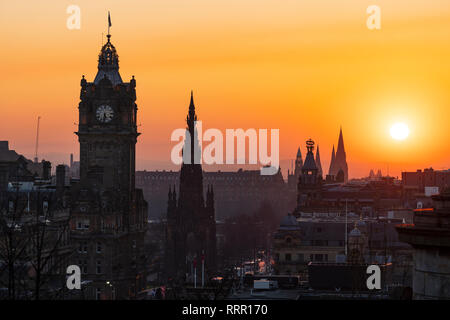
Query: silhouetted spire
x: 341, y: 158
x: 333, y: 158
x: 191, y: 192
x: 318, y: 164
x: 192, y: 117
x: 298, y: 162
x: 191, y: 104
x: 193, y: 143
x: 340, y: 148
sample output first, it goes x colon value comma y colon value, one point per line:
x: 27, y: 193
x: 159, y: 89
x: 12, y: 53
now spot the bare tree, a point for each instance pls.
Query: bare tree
x: 32, y: 241
x: 13, y: 244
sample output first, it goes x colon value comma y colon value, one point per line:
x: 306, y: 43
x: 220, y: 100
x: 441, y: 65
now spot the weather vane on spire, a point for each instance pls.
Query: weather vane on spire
x: 109, y: 23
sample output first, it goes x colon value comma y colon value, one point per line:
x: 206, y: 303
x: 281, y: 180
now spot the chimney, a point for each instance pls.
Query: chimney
x: 4, y: 146
x: 46, y: 170
x: 60, y: 177
x: 71, y: 160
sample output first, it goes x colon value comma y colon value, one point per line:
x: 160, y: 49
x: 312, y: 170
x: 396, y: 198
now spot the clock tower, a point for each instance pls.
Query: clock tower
x: 107, y: 129
x: 108, y: 214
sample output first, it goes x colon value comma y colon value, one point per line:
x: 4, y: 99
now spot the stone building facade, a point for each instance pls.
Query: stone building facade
x: 108, y: 214
x: 430, y: 238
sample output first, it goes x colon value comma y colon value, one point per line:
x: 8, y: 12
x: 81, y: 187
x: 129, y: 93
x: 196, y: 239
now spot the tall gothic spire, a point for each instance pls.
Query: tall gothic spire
x: 340, y: 162
x: 318, y: 164
x: 333, y: 159
x: 191, y: 177
x: 191, y: 117
x: 193, y: 142
x: 340, y: 148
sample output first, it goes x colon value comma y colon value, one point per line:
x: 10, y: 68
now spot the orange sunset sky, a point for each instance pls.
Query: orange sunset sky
x: 304, y: 67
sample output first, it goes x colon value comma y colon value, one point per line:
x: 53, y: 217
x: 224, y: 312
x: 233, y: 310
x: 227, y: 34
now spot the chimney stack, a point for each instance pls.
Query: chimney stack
x: 4, y: 146
x: 46, y: 170
x: 60, y: 177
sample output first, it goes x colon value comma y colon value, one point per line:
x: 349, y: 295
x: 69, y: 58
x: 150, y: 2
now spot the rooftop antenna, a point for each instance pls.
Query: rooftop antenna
x: 37, y: 141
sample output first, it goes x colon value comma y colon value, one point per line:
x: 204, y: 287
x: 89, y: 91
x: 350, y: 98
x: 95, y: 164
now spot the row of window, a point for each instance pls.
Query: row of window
x: 83, y: 247
x: 12, y: 206
x: 83, y: 264
x: 318, y: 257
x: 319, y: 243
x: 84, y: 224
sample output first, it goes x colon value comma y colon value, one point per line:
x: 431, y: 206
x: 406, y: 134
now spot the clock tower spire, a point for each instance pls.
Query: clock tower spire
x: 108, y: 212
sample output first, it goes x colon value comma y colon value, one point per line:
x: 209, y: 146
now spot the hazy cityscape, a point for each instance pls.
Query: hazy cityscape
x: 217, y: 223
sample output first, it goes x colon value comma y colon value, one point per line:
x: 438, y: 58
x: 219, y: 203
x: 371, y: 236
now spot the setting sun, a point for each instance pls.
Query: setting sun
x: 399, y: 131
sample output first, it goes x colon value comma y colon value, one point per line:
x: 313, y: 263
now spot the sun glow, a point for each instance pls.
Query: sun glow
x: 399, y: 131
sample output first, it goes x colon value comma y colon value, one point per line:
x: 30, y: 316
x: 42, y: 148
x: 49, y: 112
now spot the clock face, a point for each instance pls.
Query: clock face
x: 105, y: 113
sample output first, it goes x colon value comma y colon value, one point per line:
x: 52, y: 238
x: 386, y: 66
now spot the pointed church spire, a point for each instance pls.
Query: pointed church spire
x: 333, y: 159
x: 298, y: 162
x: 191, y: 104
x: 318, y: 162
x: 192, y: 117
x: 193, y: 143
x: 340, y: 147
x: 340, y: 162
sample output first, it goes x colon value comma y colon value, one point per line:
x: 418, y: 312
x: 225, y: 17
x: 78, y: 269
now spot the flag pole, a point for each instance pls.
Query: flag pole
x: 109, y: 21
x: 203, y: 271
x: 195, y: 272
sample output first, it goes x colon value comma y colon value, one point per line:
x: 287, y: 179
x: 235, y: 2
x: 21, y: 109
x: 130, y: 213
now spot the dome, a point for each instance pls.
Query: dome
x: 108, y: 64
x: 289, y: 222
x: 108, y: 55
